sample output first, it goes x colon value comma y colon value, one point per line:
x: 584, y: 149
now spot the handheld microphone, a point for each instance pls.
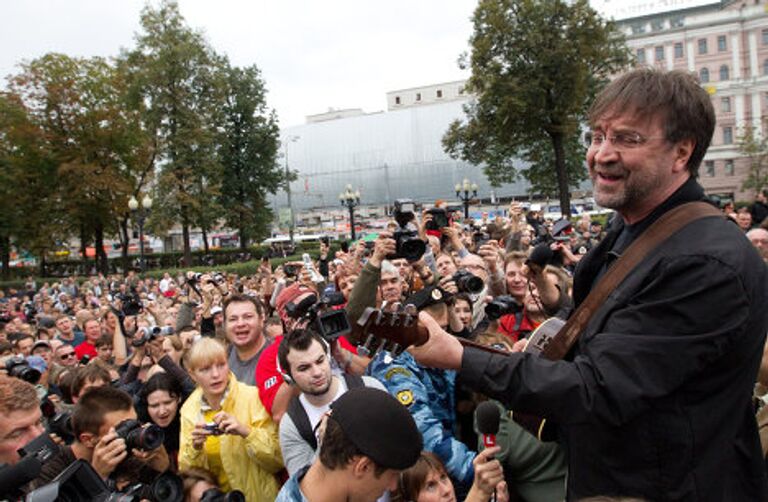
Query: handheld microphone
x: 541, y: 254
x: 13, y: 477
x: 488, y: 418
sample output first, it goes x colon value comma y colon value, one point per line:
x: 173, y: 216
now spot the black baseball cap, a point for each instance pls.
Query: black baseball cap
x: 379, y: 426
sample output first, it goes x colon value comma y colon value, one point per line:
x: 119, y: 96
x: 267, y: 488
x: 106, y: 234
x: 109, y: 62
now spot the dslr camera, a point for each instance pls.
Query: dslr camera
x: 130, y: 302
x: 58, y: 422
x: 467, y: 282
x: 408, y: 245
x: 18, y: 367
x: 502, y: 305
x: 140, y: 437
x: 147, y: 334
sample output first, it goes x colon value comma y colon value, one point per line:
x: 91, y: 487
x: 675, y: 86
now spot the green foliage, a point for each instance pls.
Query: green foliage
x: 248, y: 151
x: 755, y: 147
x: 536, y: 65
x: 177, y: 76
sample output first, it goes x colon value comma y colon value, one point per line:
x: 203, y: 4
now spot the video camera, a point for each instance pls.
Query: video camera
x: 79, y: 481
x: 33, y: 455
x: 408, y: 245
x: 147, y: 334
x: 329, y: 323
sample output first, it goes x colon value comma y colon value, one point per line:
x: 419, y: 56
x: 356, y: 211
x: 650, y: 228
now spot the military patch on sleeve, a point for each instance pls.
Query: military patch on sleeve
x: 405, y: 397
x: 397, y: 370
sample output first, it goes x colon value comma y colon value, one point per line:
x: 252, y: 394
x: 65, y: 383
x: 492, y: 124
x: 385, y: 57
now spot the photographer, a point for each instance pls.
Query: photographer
x: 106, y: 439
x: 20, y: 412
x: 225, y: 428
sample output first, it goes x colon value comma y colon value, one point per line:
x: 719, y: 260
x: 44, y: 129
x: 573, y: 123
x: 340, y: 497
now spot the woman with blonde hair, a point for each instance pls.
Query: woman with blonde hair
x: 225, y: 428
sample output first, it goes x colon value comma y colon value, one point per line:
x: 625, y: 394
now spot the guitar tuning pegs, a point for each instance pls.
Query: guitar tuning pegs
x: 411, y: 310
x: 365, y: 349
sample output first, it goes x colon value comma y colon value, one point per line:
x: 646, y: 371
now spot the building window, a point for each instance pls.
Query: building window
x: 724, y: 72
x: 397, y: 100
x: 722, y: 45
x: 418, y: 96
x: 725, y: 105
x: 765, y: 67
x: 709, y: 167
x: 641, y: 56
x: 677, y: 22
x: 660, y: 53
x: 657, y: 25
x: 638, y: 28
x: 765, y: 37
x: 729, y: 168
x: 439, y: 93
x: 702, y: 46
x: 727, y: 135
x: 704, y: 75
x: 678, y: 50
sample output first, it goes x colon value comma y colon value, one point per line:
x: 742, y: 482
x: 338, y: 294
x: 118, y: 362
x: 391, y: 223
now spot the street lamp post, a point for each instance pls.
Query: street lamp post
x: 292, y: 221
x: 466, y: 187
x: 350, y: 200
x: 139, y: 215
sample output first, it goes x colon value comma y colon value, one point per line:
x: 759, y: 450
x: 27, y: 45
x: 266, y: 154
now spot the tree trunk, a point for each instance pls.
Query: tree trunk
x: 102, y: 263
x: 205, y: 240
x: 124, y: 241
x: 43, y: 267
x: 562, y: 175
x: 185, y: 236
x: 83, y: 248
x: 5, y: 256
x: 243, y: 234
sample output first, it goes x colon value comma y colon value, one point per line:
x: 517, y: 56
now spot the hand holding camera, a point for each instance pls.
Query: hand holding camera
x: 384, y: 245
x: 228, y: 424
x: 108, y: 453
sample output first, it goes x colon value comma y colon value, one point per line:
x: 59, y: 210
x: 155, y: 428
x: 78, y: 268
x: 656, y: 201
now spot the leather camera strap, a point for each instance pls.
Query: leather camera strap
x: 669, y: 223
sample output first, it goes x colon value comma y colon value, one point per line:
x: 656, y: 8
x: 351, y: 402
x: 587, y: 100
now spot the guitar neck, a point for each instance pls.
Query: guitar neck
x: 480, y: 346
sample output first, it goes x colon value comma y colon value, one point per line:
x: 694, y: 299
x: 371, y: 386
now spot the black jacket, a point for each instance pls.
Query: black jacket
x: 655, y: 401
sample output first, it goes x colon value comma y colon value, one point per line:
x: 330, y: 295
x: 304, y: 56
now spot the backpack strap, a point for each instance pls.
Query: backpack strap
x: 300, y: 419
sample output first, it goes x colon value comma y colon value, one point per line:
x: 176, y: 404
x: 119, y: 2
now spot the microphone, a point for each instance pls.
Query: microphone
x: 488, y: 418
x: 13, y: 477
x: 541, y: 254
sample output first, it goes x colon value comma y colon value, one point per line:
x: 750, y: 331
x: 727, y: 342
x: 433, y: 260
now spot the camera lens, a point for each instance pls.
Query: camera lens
x: 167, y: 488
x: 147, y: 438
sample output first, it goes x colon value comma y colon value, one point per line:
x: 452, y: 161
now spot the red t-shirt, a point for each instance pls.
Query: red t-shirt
x: 507, y: 326
x: 268, y: 378
x: 85, y: 349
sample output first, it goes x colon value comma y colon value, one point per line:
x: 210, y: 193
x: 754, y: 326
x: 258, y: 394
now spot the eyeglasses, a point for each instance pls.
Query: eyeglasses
x: 620, y: 141
x: 66, y: 356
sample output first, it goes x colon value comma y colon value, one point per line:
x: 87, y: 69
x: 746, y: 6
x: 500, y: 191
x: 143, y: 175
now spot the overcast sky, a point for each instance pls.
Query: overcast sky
x: 313, y: 54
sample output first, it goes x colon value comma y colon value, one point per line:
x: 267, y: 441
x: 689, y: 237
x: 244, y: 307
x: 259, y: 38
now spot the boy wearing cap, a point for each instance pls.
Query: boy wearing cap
x: 369, y: 438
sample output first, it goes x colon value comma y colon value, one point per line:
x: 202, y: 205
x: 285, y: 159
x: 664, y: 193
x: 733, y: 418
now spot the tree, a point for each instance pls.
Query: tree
x: 754, y: 146
x: 176, y: 76
x: 93, y: 139
x: 249, y: 145
x: 536, y: 65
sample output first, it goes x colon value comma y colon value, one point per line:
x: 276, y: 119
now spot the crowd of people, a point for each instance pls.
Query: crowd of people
x: 275, y: 386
